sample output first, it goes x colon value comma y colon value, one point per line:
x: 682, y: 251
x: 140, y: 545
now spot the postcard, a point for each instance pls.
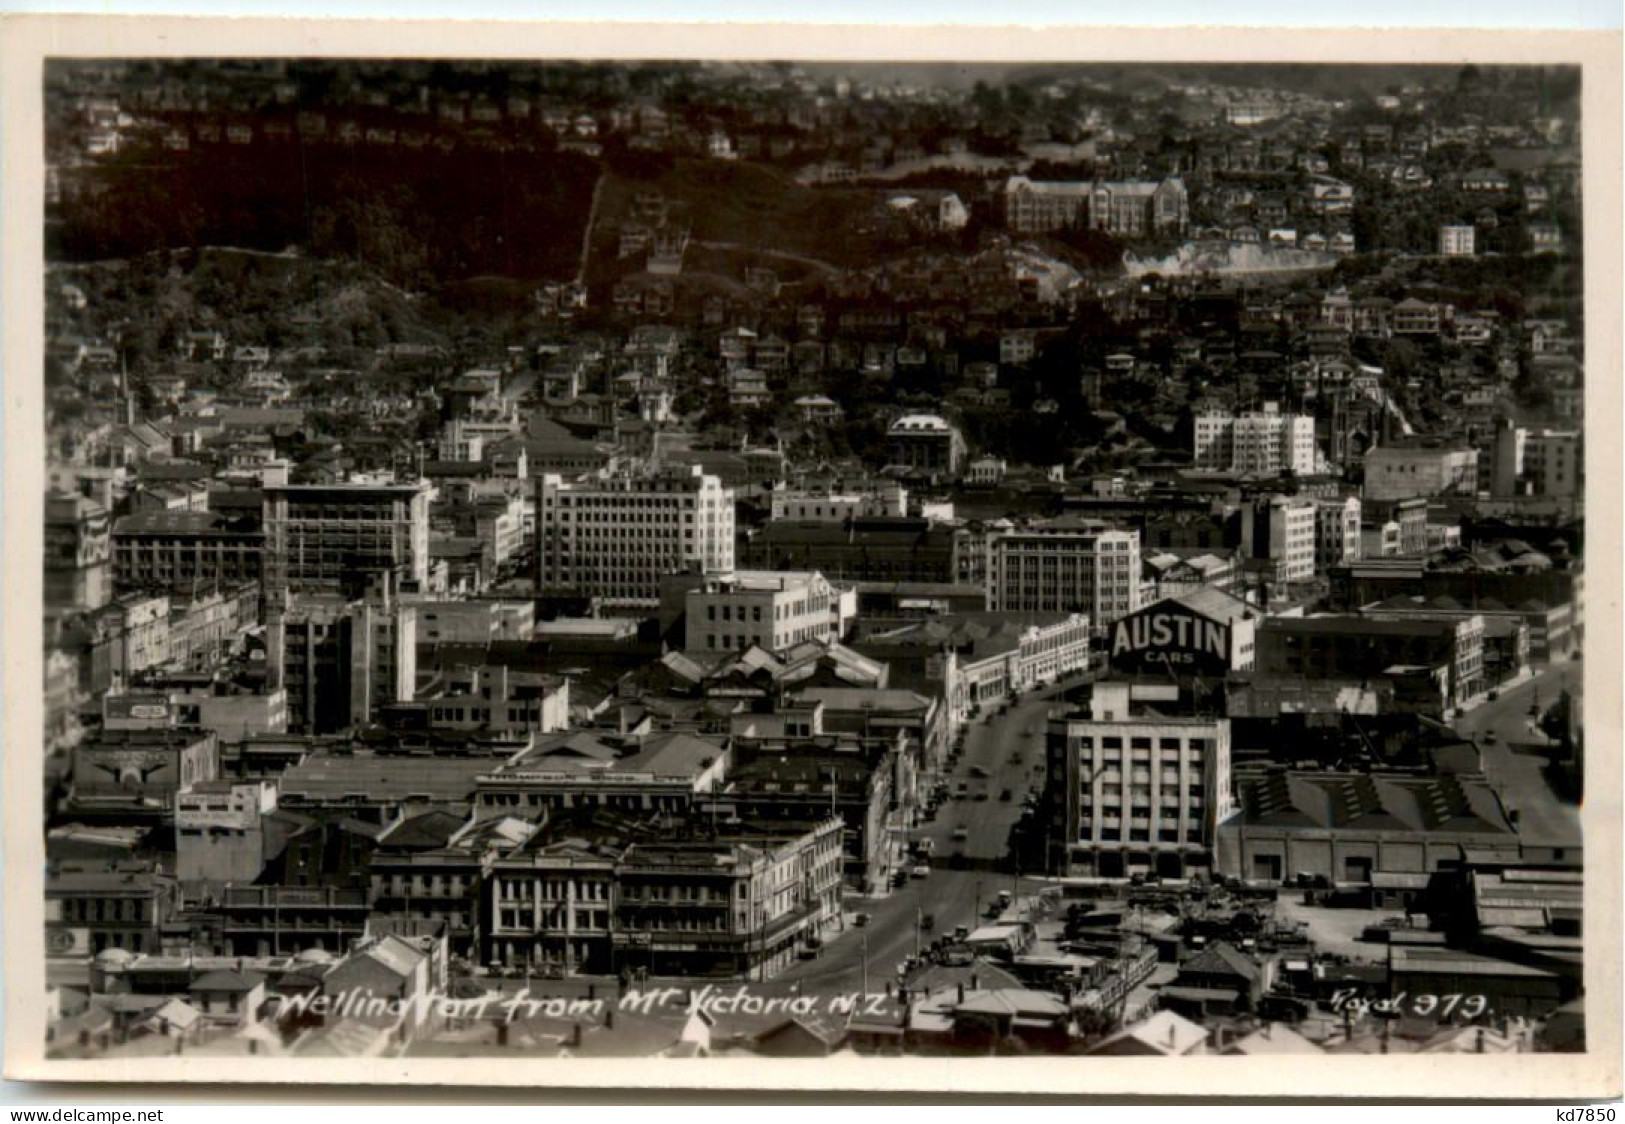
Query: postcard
x: 960, y: 559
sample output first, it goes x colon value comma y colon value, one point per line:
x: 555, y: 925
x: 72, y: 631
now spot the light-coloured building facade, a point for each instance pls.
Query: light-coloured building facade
x: 473, y: 621
x: 613, y: 539
x: 1264, y: 441
x: 886, y: 499
x: 1399, y: 472
x: 1065, y: 568
x: 1337, y: 531
x: 771, y: 608
x: 1554, y: 462
x: 1127, y: 208
x: 1282, y: 530
x: 1135, y: 794
x: 1457, y: 241
x: 927, y: 443
x: 1042, y: 653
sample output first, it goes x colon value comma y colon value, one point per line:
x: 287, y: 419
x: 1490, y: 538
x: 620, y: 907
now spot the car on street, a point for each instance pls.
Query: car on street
x: 961, y: 834
x: 860, y: 920
x: 921, y: 870
x: 1489, y: 737
x: 1005, y: 795
x: 978, y: 772
x: 928, y: 921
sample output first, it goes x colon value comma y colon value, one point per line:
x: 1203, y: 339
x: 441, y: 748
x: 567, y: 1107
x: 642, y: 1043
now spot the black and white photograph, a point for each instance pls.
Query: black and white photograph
x: 761, y: 558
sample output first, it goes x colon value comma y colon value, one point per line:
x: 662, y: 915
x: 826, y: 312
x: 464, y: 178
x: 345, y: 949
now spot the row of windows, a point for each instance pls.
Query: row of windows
x: 1197, y: 746
x: 1114, y: 833
x: 552, y: 889
x: 584, y: 919
x: 103, y: 909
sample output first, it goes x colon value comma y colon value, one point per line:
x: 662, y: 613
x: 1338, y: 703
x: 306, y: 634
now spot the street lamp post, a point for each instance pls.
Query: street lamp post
x: 865, y: 963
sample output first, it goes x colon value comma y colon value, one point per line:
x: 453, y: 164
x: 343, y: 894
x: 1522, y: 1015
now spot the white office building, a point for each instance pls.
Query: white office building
x: 612, y: 539
x: 1065, y: 567
x: 775, y: 609
x: 1136, y: 793
x: 1263, y: 441
x: 1337, y: 531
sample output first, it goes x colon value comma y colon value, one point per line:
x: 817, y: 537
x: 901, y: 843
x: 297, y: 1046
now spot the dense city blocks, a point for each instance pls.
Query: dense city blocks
x: 565, y: 560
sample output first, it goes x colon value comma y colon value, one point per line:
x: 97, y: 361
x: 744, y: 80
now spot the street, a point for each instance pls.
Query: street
x: 1512, y: 767
x: 1009, y: 750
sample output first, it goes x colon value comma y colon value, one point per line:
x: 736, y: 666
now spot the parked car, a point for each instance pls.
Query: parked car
x: 860, y: 920
x: 961, y: 834
x: 1005, y: 795
x: 928, y: 921
x: 1489, y: 737
x: 978, y: 772
x: 921, y: 870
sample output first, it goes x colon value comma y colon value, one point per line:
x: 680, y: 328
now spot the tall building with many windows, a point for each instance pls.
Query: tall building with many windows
x: 332, y: 538
x: 613, y: 539
x: 340, y: 660
x: 1263, y: 441
x: 1282, y: 530
x: 1337, y: 531
x: 1067, y: 566
x: 1135, y: 793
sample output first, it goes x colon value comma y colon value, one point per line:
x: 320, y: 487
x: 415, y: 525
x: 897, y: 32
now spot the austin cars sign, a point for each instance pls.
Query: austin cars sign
x: 1170, y: 636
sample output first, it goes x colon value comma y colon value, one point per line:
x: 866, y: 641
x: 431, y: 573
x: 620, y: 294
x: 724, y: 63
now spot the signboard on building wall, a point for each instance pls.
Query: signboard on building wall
x: 136, y: 711
x: 1170, y: 637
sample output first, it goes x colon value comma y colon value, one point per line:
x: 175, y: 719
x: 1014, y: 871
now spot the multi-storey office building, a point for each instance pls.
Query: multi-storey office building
x: 775, y: 609
x: 331, y: 538
x: 186, y: 550
x: 1399, y: 472
x: 1135, y: 793
x: 340, y: 660
x: 77, y: 547
x: 614, y: 539
x: 1265, y: 441
x: 1360, y: 647
x: 1337, y: 532
x: 1068, y: 566
x: 741, y: 906
x: 1282, y: 530
x: 1554, y: 462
